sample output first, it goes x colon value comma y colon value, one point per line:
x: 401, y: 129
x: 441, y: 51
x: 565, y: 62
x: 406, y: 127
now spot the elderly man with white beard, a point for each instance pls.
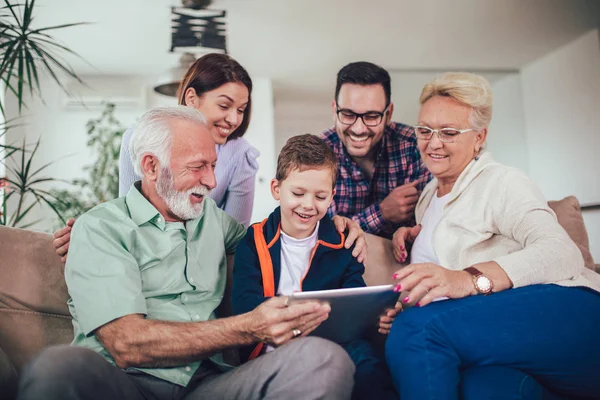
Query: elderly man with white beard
x: 146, y: 274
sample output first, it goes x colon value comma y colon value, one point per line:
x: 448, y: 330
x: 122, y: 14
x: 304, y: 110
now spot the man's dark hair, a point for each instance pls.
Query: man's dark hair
x: 364, y: 73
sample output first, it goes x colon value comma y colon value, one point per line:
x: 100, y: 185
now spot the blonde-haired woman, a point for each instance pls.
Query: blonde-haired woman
x: 521, y: 317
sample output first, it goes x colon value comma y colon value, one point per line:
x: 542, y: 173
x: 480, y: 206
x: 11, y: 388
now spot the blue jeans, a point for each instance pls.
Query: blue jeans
x: 372, y: 378
x: 535, y: 342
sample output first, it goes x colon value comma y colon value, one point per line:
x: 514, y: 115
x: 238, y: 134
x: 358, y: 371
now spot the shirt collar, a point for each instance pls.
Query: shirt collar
x: 471, y: 171
x: 140, y: 209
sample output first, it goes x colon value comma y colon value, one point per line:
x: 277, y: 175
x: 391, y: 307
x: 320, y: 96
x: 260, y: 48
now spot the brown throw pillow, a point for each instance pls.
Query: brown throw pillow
x: 568, y: 212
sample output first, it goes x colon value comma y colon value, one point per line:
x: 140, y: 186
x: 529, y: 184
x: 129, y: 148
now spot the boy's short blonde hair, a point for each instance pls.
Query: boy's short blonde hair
x: 304, y: 152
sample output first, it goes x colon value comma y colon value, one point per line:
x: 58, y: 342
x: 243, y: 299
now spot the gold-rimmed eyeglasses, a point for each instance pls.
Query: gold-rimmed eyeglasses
x: 446, y: 135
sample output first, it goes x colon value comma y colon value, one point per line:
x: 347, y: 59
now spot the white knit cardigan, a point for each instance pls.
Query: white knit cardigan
x: 495, y: 213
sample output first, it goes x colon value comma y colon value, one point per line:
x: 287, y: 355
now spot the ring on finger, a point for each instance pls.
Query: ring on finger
x: 296, y: 332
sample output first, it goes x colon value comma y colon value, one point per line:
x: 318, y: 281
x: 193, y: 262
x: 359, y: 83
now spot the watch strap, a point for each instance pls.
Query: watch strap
x: 473, y: 271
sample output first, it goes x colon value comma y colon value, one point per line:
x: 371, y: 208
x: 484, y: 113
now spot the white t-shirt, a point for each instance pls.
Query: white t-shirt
x: 295, y: 256
x: 422, y: 249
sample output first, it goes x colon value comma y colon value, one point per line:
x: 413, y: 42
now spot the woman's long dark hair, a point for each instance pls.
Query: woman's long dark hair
x: 212, y: 71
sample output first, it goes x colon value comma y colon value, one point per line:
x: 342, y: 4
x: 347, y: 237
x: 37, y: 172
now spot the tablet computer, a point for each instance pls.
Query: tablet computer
x: 354, y: 311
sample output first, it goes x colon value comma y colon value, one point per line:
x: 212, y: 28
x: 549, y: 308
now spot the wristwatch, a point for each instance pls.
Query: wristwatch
x: 482, y: 283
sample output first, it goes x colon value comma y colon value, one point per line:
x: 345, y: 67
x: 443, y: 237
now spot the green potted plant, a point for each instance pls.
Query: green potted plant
x: 26, y: 53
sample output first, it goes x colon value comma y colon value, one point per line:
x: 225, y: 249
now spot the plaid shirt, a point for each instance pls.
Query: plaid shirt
x: 397, y: 162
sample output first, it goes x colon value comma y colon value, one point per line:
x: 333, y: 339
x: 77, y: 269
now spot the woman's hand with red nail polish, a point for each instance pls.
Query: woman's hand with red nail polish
x: 403, y: 237
x: 427, y: 281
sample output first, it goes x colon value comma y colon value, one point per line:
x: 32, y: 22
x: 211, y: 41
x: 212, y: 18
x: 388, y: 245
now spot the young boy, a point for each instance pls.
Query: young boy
x: 297, y: 248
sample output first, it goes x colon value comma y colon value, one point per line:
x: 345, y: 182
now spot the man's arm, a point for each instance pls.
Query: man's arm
x: 134, y: 341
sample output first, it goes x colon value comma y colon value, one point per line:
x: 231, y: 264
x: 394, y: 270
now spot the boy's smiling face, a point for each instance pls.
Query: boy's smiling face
x: 304, y: 196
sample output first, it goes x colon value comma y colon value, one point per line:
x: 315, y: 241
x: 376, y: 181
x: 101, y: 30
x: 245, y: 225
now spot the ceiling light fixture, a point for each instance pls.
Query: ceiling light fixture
x: 195, y: 30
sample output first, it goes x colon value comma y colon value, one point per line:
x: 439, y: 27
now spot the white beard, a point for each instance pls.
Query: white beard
x: 179, y: 202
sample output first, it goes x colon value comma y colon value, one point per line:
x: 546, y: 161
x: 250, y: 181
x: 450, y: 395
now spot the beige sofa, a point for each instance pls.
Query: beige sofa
x: 33, y: 294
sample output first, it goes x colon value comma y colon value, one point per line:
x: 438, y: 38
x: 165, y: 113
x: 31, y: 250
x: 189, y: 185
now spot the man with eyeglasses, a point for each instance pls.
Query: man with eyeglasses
x: 380, y: 169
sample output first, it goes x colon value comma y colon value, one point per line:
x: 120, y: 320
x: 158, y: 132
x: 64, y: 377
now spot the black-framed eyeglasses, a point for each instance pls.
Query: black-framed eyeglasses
x: 370, y: 118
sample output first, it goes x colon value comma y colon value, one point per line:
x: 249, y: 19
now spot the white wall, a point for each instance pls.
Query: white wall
x: 296, y: 115
x: 506, y: 135
x: 261, y: 134
x: 561, y: 102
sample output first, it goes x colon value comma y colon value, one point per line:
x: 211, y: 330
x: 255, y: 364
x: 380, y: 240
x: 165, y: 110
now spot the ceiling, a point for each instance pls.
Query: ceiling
x: 300, y: 44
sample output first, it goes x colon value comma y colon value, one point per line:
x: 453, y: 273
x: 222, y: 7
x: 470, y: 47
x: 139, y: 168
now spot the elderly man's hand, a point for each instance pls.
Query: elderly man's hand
x: 62, y: 238
x: 427, y: 282
x: 399, y: 205
x: 355, y: 234
x: 276, y: 323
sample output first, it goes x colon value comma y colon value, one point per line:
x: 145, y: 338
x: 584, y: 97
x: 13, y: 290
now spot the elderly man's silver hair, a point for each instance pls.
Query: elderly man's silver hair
x: 153, y: 133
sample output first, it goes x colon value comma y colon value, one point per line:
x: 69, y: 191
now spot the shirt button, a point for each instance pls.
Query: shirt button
x: 183, y: 298
x: 159, y: 219
x: 196, y: 317
x: 188, y: 369
x: 191, y: 280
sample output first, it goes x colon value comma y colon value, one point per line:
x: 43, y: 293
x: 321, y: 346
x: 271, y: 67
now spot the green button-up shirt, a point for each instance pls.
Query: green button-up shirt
x: 125, y: 259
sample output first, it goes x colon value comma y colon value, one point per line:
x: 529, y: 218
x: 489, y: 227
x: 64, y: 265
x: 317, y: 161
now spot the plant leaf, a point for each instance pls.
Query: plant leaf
x: 58, y: 27
x: 24, y: 212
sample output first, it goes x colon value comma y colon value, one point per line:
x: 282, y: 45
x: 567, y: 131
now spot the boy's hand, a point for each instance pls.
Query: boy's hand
x: 355, y: 234
x: 386, y: 320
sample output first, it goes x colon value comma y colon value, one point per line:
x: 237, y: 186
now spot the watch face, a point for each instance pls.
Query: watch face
x: 484, y: 285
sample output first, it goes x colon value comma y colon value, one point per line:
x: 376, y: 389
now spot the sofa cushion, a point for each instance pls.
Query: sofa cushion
x: 23, y: 334
x: 33, y: 295
x: 380, y: 265
x: 32, y: 274
x: 568, y: 212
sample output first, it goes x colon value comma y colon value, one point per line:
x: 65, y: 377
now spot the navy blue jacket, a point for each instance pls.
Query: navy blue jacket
x: 332, y: 267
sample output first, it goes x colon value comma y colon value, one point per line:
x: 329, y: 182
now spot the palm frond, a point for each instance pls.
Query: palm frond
x: 26, y: 52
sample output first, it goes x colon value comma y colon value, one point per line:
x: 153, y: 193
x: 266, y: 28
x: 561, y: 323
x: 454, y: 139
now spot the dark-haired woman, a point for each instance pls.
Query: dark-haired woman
x: 220, y: 88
